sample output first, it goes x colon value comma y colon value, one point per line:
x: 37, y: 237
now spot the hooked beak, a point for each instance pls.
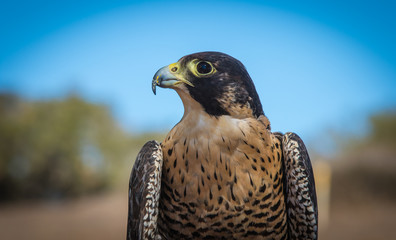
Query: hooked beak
x: 166, y: 79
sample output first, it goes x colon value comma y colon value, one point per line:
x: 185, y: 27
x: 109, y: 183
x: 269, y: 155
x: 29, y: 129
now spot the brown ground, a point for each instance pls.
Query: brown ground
x: 101, y: 217
x: 104, y: 217
x: 374, y: 222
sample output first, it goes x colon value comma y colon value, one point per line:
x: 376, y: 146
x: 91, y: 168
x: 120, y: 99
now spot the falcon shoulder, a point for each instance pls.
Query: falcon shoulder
x: 144, y: 192
x: 301, y: 203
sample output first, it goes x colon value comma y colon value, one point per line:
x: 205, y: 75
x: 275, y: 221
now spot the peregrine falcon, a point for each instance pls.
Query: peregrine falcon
x: 220, y: 173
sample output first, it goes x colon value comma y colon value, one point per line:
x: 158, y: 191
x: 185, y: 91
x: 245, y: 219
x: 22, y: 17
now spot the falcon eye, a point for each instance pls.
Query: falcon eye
x: 204, y: 67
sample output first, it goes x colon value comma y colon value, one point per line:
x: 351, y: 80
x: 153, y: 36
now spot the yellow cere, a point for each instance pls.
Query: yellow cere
x: 173, y: 66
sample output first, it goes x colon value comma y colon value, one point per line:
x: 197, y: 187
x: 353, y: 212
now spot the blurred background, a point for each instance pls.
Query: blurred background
x: 76, y: 103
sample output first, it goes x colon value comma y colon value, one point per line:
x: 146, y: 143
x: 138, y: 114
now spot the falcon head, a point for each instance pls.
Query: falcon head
x: 216, y: 81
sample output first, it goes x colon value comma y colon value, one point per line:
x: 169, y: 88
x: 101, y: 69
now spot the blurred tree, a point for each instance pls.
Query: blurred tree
x: 384, y: 129
x: 53, y: 149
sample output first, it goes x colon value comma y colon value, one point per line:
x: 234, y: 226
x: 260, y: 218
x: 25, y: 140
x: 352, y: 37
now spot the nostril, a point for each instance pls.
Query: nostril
x: 174, y: 69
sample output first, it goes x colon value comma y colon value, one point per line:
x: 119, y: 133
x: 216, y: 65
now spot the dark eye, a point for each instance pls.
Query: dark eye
x: 204, y: 68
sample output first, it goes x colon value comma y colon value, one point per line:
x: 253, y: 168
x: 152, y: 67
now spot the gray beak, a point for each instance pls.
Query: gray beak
x: 166, y: 79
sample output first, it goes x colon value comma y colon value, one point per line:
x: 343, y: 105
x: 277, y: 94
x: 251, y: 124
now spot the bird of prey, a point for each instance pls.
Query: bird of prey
x: 220, y: 173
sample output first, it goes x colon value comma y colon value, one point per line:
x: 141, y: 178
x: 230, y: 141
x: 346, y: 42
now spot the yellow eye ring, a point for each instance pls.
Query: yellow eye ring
x: 201, y: 68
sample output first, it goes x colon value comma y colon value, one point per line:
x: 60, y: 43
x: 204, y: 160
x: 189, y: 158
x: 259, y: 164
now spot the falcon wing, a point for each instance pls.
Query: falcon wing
x: 301, y: 203
x: 144, y: 192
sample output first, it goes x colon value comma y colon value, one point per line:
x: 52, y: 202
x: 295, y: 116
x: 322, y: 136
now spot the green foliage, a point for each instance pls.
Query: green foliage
x: 53, y: 149
x: 380, y: 132
x: 384, y: 128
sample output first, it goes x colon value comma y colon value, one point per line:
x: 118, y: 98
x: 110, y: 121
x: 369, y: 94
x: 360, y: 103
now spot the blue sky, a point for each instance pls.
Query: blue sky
x: 316, y: 66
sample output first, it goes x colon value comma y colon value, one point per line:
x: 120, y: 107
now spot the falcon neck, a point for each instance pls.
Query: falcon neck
x: 218, y: 108
x: 197, y: 123
x: 192, y: 109
x: 198, y: 120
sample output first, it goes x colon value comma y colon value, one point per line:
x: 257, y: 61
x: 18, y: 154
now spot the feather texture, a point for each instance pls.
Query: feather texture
x: 144, y: 192
x: 302, y: 208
